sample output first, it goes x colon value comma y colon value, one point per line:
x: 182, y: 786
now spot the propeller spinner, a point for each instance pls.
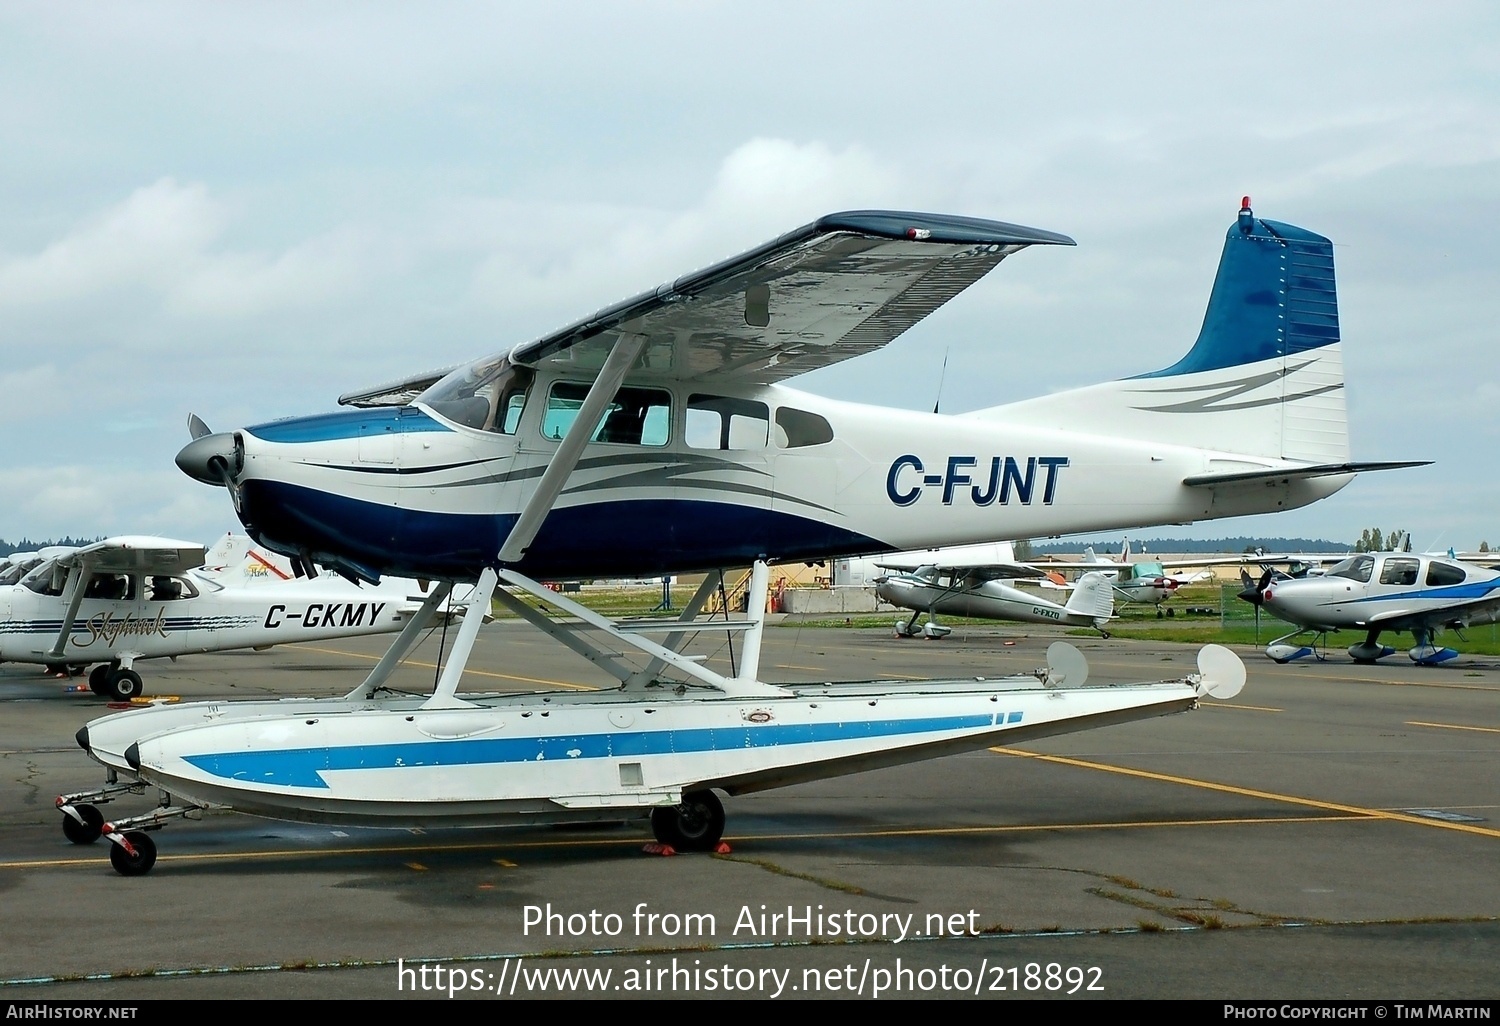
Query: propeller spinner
x: 213, y: 458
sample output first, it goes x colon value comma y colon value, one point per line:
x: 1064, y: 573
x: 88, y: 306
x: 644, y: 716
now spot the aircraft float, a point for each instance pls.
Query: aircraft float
x: 656, y: 437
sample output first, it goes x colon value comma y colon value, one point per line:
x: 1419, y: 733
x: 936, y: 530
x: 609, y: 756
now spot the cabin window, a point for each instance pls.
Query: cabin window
x: 1355, y: 568
x: 635, y: 416
x: 1439, y: 574
x: 798, y: 428
x: 487, y: 395
x: 1399, y: 571
x: 719, y: 422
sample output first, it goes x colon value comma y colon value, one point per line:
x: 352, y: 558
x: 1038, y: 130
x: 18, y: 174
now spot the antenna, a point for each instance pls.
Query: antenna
x: 942, y: 375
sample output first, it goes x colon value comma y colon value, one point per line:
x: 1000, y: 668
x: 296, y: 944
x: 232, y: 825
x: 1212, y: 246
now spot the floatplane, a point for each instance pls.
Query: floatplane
x: 657, y: 437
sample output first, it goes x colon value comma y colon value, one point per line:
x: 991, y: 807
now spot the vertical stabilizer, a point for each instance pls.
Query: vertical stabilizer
x: 1264, y: 378
x: 1093, y: 595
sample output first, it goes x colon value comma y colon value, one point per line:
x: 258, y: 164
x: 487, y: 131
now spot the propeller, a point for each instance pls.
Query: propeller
x: 1254, y: 592
x: 213, y: 458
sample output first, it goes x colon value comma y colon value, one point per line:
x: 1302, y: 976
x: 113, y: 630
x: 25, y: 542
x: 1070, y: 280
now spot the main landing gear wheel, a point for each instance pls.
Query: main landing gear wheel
x: 695, y: 825
x: 124, y: 685
x: 89, y: 830
x: 137, y: 864
x: 99, y: 679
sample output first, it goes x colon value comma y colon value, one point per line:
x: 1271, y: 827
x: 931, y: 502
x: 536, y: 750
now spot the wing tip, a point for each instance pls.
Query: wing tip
x: 942, y: 228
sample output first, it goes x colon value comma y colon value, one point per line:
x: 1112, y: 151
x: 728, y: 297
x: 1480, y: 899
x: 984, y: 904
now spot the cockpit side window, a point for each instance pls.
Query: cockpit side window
x: 1355, y: 568
x: 635, y: 416
x: 487, y: 395
x: 110, y: 587
x: 47, y: 579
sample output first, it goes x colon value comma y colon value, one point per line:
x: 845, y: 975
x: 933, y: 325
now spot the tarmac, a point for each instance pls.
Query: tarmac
x: 1330, y: 833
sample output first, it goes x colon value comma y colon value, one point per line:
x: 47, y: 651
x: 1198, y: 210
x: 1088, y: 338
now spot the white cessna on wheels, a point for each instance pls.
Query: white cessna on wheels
x: 656, y: 437
x: 115, y: 602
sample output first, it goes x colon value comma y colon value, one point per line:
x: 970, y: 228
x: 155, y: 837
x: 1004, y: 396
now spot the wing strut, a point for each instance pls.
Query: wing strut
x: 74, y: 590
x: 621, y: 356
x: 676, y: 640
x: 755, y: 606
x: 403, y: 643
x: 443, y: 696
x: 629, y: 634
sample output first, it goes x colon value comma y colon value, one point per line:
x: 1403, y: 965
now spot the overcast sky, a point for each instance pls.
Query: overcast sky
x: 243, y: 210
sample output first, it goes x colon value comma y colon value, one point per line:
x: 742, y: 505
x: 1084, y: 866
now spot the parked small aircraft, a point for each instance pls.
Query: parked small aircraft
x: 1375, y: 593
x: 976, y: 581
x: 983, y: 592
x: 1148, y: 581
x: 123, y: 599
x: 655, y: 437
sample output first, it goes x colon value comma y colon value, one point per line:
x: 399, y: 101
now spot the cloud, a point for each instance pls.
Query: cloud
x: 167, y: 239
x: 573, y: 259
x: 30, y: 393
x: 83, y: 500
x: 153, y: 237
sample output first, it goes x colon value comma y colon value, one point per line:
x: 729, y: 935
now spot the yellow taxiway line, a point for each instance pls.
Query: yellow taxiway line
x: 1452, y: 726
x: 1208, y: 785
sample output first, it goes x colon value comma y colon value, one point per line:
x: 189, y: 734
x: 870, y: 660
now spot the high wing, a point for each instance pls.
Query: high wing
x: 1227, y: 559
x: 844, y: 285
x: 973, y: 574
x: 136, y: 554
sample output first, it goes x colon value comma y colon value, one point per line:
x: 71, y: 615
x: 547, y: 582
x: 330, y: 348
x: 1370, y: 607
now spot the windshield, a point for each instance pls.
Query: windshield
x: 487, y: 395
x: 12, y: 574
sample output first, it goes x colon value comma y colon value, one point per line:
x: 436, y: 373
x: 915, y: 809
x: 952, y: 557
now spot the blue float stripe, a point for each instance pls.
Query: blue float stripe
x: 303, y: 767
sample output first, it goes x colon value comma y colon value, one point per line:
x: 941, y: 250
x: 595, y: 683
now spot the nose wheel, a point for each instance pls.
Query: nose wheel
x: 132, y: 853
x: 84, y: 825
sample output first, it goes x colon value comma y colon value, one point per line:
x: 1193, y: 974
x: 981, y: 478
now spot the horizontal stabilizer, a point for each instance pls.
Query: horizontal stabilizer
x: 1286, y: 473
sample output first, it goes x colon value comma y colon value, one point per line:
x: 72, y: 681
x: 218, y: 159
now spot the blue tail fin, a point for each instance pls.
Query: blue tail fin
x: 1273, y: 297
